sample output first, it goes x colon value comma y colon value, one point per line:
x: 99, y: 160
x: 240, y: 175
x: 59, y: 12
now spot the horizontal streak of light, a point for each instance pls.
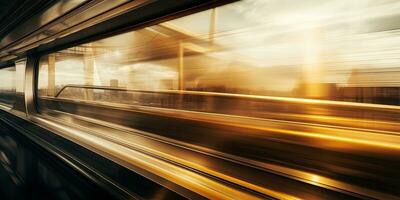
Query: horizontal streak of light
x: 274, y: 98
x: 302, y: 175
x: 193, y: 181
x: 239, y: 121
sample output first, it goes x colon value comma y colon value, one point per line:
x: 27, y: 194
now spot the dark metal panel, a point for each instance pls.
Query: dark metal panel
x: 46, y: 26
x: 38, y: 20
x: 15, y: 12
x: 40, y: 174
x: 108, y: 179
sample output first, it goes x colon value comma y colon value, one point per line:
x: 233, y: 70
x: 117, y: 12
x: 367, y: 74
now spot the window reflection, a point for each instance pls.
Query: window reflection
x: 336, y: 50
x: 7, y: 86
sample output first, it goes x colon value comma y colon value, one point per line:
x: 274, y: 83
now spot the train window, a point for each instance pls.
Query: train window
x: 7, y: 86
x: 230, y: 58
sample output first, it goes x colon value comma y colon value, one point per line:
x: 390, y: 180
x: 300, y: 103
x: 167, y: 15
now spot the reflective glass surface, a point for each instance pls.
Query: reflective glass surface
x: 336, y: 50
x: 7, y: 85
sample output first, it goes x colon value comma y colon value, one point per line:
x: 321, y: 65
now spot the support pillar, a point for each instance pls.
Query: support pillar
x: 51, y: 75
x: 88, y: 68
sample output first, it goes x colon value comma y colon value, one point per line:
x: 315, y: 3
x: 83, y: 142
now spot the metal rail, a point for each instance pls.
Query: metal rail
x: 245, y: 96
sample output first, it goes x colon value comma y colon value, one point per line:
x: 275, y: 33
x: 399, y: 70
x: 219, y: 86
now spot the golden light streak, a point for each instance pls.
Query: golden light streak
x: 193, y: 181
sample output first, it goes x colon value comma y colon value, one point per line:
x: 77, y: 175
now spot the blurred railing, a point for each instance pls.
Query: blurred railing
x: 348, y: 114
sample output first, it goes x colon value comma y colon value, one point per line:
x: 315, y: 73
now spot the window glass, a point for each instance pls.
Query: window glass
x: 333, y: 50
x: 7, y: 86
